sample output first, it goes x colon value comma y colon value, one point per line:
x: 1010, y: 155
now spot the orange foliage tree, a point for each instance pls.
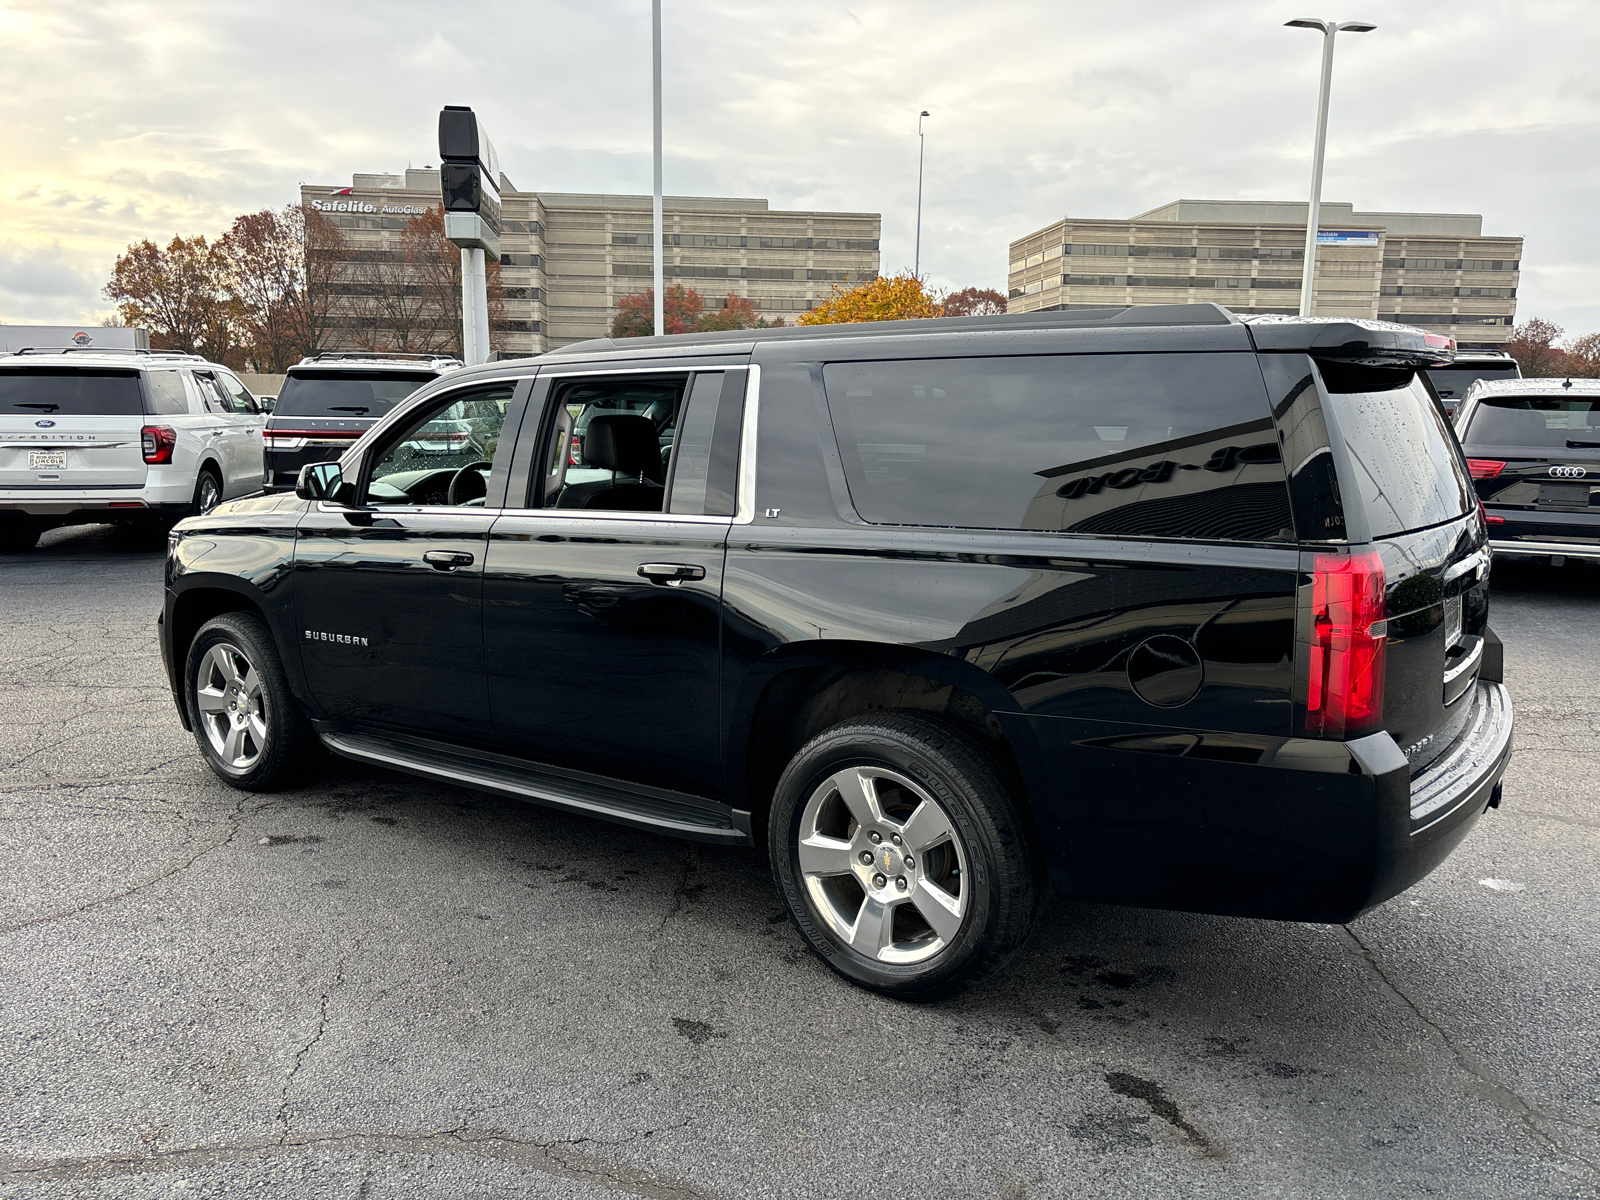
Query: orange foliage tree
x: 886, y: 298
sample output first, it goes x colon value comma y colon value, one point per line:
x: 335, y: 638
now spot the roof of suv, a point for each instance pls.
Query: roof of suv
x: 367, y: 361
x: 100, y: 357
x: 1346, y: 337
x: 1551, y: 386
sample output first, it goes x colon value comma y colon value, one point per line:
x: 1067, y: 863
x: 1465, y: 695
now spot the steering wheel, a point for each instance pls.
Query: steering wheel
x: 476, y: 469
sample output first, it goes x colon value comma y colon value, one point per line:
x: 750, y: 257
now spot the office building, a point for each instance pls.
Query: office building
x: 1435, y: 270
x: 567, y: 259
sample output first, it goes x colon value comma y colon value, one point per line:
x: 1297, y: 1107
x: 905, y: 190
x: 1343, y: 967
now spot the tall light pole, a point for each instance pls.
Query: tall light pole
x: 660, y: 326
x: 1313, y: 211
x: 916, y: 258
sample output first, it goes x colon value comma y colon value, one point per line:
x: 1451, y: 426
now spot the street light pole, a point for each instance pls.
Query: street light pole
x: 1313, y: 210
x: 916, y: 258
x: 658, y: 260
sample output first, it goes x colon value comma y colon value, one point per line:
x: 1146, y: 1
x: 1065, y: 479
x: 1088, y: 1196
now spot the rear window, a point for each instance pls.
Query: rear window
x: 1153, y: 445
x: 346, y: 394
x: 1546, y: 422
x: 65, y: 392
x: 1403, y: 463
x: 1452, y: 382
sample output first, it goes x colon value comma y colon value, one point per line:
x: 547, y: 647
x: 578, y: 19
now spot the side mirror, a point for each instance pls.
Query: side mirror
x: 318, y: 481
x: 268, y: 403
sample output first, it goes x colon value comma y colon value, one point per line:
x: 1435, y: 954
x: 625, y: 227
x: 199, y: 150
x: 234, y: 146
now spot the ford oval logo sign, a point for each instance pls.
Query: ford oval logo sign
x: 1569, y: 472
x: 45, y: 424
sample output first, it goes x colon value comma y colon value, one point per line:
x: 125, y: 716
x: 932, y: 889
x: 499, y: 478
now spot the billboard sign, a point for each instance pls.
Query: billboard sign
x: 469, y: 177
x: 1347, y: 237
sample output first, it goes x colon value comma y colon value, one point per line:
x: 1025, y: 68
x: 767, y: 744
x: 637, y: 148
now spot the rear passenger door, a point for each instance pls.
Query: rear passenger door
x: 248, y: 422
x: 229, y: 433
x: 601, y: 622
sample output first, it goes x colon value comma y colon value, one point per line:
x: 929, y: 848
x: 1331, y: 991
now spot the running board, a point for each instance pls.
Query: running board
x: 675, y: 813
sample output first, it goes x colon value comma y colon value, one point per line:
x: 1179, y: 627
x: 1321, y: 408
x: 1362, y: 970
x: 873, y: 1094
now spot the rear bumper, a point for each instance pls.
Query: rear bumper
x: 67, y: 505
x: 1506, y: 548
x: 1276, y: 828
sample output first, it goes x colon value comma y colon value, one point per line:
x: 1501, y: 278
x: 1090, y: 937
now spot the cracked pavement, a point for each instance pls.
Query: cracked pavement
x: 375, y: 986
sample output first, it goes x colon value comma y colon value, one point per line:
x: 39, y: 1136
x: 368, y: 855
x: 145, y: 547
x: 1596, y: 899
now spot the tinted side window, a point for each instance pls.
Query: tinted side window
x: 164, y: 394
x: 1404, y: 465
x: 1143, y: 445
x: 239, y: 398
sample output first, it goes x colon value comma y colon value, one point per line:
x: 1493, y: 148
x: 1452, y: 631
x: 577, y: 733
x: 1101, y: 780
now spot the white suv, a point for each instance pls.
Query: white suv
x: 140, y: 437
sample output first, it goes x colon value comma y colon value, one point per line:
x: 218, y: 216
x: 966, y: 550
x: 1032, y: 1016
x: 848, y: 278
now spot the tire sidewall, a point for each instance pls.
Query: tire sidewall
x: 250, y: 636
x: 868, y: 746
x: 205, y: 474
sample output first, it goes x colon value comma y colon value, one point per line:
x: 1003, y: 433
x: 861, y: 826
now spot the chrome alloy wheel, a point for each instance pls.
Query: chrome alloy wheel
x: 210, y: 493
x: 227, y: 692
x: 883, y: 865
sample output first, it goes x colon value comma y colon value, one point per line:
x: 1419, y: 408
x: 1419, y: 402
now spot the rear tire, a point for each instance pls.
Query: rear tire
x: 246, y: 722
x: 18, y: 535
x: 898, y: 848
x: 207, y: 491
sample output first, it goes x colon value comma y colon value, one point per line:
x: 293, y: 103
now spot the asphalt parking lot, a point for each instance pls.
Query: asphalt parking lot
x: 379, y: 987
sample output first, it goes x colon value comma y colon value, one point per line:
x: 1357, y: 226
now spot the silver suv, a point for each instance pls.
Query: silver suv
x: 137, y: 437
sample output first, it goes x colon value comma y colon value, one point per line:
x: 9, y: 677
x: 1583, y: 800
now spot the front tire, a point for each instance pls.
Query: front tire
x: 249, y: 729
x: 897, y: 846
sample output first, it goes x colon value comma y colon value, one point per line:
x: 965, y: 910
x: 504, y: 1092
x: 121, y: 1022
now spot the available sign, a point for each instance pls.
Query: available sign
x: 361, y: 206
x: 1347, y: 237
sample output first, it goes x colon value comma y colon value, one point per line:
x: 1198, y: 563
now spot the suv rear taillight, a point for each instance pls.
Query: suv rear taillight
x: 1485, y: 468
x: 1344, y: 686
x: 158, y: 443
x: 575, y: 452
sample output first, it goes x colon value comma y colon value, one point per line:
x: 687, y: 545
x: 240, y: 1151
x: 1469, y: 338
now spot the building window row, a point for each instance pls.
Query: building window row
x: 1452, y: 264
x: 522, y: 293
x: 1241, y: 253
x: 532, y: 227
x: 1239, y: 282
x: 519, y: 260
x: 1446, y: 318
x: 1504, y: 293
x: 514, y: 326
x: 734, y: 241
x: 677, y: 271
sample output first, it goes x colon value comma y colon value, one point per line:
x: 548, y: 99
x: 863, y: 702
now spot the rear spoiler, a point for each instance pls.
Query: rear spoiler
x: 1353, y: 340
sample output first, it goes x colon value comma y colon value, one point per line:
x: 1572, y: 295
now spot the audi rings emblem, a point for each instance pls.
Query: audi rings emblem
x: 1569, y: 472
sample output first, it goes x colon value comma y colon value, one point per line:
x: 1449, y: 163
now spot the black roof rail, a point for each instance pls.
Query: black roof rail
x: 338, y: 355
x: 1085, y: 318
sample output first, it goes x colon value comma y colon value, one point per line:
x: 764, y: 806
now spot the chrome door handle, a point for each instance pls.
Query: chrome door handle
x: 446, y: 560
x: 671, y: 574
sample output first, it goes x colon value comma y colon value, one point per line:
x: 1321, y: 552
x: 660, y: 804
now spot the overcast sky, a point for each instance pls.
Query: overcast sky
x: 125, y: 120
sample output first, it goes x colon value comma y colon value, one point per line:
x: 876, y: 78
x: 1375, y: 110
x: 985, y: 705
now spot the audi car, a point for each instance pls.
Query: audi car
x: 1533, y: 450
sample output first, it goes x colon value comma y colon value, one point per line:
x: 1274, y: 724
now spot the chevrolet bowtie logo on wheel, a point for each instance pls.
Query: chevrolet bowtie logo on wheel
x: 1569, y: 472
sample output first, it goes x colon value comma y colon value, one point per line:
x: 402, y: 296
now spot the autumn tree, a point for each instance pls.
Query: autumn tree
x: 887, y: 298
x: 1583, y: 356
x: 408, y: 299
x: 682, y: 309
x: 180, y: 293
x: 974, y: 302
x: 1533, y: 345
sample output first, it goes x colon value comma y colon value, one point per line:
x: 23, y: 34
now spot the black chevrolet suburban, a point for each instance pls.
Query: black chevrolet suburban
x: 1152, y: 606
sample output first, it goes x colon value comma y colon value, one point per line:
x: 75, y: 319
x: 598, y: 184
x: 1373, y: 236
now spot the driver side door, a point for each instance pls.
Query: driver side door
x: 388, y: 588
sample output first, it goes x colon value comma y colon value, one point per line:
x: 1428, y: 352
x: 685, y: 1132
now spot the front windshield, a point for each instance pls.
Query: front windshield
x: 1559, y: 422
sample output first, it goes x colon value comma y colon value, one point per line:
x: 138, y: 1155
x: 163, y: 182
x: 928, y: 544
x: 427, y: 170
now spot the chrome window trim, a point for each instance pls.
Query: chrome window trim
x: 584, y: 514
x: 745, y: 504
x: 745, y: 485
